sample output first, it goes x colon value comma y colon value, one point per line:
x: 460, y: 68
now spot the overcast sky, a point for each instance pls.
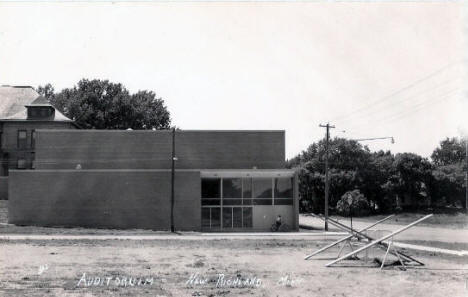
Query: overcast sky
x: 372, y: 69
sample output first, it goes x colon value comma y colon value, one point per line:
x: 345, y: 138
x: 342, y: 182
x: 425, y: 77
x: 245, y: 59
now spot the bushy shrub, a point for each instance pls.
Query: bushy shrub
x: 353, y: 202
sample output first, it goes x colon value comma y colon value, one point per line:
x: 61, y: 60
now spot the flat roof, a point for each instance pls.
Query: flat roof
x: 149, y: 131
x: 215, y: 173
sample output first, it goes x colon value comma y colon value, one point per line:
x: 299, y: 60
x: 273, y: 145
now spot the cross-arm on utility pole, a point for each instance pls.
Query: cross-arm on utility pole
x: 327, y: 183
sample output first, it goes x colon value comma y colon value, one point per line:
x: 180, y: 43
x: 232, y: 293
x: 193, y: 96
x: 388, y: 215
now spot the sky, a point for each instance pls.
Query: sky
x: 371, y: 69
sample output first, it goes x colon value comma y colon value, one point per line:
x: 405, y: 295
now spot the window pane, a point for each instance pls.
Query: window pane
x: 247, y: 217
x: 22, y: 139
x: 44, y: 112
x: 247, y: 187
x: 283, y: 187
x: 262, y: 188
x: 205, y: 217
x: 227, y: 217
x: 232, y: 188
x: 211, y: 188
x: 215, y: 217
x: 237, y: 221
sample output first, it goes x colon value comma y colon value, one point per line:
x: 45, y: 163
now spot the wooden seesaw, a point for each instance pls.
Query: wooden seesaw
x: 380, y: 242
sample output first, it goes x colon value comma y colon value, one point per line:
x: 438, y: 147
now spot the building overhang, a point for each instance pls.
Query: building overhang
x: 239, y: 173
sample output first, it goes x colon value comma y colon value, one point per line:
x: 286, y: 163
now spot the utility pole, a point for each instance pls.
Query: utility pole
x: 327, y: 182
x: 172, y: 179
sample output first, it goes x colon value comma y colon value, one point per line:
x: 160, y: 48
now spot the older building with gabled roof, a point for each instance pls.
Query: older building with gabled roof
x: 22, y: 112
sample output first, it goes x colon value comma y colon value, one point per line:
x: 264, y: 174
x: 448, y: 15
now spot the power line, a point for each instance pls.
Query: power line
x: 414, y: 109
x: 409, y: 110
x: 399, y: 91
x: 370, y: 112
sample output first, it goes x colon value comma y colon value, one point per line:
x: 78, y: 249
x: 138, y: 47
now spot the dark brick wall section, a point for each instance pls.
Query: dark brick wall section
x: 3, y: 187
x: 102, y: 149
x: 230, y: 149
x: 104, y: 199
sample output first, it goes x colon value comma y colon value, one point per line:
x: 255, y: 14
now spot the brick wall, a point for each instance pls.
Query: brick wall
x: 104, y: 198
x: 3, y: 187
x: 9, y: 141
x: 103, y: 149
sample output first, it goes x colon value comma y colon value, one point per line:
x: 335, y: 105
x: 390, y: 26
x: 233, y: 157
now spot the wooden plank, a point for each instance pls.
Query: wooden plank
x: 379, y: 240
x: 346, y: 238
x: 382, y: 245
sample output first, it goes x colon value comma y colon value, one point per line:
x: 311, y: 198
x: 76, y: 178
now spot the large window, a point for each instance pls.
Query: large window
x: 237, y: 217
x: 22, y: 139
x: 283, y: 191
x: 227, y: 203
x: 211, y: 191
x: 247, y: 191
x: 262, y: 191
x: 232, y: 191
x: 211, y: 217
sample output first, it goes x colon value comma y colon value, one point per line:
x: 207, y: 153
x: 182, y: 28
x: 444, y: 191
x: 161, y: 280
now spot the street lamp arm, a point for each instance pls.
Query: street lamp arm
x: 361, y: 139
x: 375, y: 138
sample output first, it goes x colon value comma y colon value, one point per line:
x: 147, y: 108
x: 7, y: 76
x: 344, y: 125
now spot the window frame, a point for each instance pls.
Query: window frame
x: 18, y: 141
x: 18, y: 163
x: 33, y: 138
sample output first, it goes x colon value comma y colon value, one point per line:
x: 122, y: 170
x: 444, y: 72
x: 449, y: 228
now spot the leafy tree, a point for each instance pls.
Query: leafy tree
x: 450, y: 151
x: 448, y: 185
x: 384, y: 179
x: 47, y: 90
x: 353, y: 203
x: 348, y: 160
x: 100, y: 104
x: 410, y: 179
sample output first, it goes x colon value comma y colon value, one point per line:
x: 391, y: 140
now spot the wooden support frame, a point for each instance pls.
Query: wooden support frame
x: 375, y: 242
x: 381, y: 245
x: 347, y: 237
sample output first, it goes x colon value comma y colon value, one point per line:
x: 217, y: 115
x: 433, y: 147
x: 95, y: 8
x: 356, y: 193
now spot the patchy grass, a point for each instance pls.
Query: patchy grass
x: 457, y: 246
x: 451, y: 219
x: 447, y: 220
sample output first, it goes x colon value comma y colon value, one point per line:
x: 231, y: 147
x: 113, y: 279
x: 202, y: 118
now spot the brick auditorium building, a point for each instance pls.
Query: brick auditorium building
x: 223, y: 180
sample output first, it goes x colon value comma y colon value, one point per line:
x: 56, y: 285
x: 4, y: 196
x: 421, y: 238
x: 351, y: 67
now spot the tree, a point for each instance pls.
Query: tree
x: 448, y: 185
x: 100, y: 104
x: 410, y: 178
x: 348, y: 160
x: 46, y: 91
x: 353, y: 203
x: 450, y: 151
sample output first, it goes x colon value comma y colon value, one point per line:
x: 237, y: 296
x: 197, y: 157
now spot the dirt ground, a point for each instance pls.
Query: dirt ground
x: 264, y: 267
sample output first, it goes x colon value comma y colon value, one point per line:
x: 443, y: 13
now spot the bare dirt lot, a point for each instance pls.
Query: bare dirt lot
x: 80, y: 262
x: 264, y: 267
